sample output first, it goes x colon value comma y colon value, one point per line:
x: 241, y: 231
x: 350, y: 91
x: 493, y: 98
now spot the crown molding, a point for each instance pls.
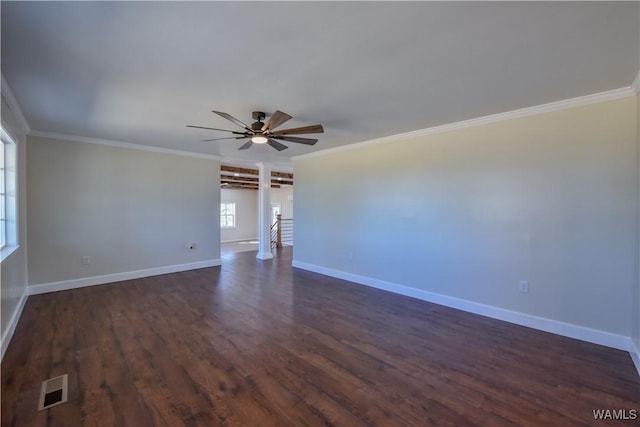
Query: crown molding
x: 120, y: 144
x: 631, y: 90
x: 7, y: 94
x: 281, y: 166
x: 493, y: 118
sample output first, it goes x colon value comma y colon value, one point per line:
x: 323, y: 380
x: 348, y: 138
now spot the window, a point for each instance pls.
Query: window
x: 227, y: 215
x: 7, y: 191
x: 3, y: 195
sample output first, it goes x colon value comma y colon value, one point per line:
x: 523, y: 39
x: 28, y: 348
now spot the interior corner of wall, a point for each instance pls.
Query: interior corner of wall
x: 635, y: 84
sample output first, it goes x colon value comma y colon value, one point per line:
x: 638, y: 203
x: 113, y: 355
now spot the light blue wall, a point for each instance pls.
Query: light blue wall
x: 128, y: 209
x: 550, y: 198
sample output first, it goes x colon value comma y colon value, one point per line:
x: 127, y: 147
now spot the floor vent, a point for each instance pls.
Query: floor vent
x: 53, y: 392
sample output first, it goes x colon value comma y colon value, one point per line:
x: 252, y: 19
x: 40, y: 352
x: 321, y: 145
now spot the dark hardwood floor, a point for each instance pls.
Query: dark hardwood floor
x: 257, y: 343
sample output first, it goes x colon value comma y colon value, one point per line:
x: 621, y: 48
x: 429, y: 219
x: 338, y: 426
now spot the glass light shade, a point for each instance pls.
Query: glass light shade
x: 259, y: 139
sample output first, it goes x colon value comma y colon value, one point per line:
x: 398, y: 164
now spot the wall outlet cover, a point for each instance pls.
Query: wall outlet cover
x: 524, y: 286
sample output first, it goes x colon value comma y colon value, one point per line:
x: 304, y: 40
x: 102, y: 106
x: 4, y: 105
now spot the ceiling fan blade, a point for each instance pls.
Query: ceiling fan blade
x: 220, y: 139
x: 232, y: 119
x: 277, y: 145
x: 246, y: 145
x: 224, y: 130
x: 276, y: 120
x: 304, y: 129
x: 308, y: 141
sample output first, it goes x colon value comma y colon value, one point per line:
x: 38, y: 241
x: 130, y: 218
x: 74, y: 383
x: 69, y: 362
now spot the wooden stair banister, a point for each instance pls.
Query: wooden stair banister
x: 281, y: 230
x: 279, y: 237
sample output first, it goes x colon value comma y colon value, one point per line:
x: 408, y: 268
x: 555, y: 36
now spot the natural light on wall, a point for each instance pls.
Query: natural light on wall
x: 8, y: 237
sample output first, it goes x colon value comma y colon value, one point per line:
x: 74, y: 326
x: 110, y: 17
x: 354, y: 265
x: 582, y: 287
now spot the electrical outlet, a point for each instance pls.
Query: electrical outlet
x: 86, y: 260
x: 524, y: 286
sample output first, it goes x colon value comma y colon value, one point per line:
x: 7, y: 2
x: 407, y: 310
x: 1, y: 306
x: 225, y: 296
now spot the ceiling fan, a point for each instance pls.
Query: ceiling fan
x: 265, y: 133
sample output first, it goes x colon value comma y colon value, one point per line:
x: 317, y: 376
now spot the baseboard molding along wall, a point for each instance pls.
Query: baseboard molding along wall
x: 635, y: 356
x: 594, y: 336
x: 63, y: 285
x: 6, y: 338
x: 548, y: 325
x: 92, y: 281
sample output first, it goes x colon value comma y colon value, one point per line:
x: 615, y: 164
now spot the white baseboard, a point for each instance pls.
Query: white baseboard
x: 117, y: 277
x: 595, y: 336
x: 8, y: 334
x: 634, y: 351
x: 91, y: 281
x: 239, y: 240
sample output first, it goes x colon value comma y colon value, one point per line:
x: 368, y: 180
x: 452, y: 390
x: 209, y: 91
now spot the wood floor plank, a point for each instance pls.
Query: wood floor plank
x: 258, y: 343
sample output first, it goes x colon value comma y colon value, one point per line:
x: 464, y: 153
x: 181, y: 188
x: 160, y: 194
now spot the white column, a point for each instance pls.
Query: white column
x: 264, y: 211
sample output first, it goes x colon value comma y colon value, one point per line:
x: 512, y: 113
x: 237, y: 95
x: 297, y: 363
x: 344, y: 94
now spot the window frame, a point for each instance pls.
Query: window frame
x: 8, y: 194
x: 3, y: 192
x: 224, y: 207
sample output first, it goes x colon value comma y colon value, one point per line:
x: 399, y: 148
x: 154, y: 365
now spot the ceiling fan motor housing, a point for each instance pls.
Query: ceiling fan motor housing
x: 258, y: 116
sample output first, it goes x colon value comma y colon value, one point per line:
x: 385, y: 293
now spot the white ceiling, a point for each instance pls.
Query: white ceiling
x: 138, y: 72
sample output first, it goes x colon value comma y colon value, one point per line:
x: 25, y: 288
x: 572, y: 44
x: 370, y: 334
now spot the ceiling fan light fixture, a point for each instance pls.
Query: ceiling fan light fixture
x: 259, y: 139
x: 265, y: 133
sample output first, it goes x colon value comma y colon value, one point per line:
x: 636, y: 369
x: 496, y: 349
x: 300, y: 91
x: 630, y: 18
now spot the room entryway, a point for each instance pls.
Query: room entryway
x: 240, y: 246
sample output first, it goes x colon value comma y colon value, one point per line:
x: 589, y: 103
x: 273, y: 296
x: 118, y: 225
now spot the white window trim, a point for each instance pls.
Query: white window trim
x: 234, y: 215
x: 7, y: 251
x: 4, y: 145
x: 11, y: 194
